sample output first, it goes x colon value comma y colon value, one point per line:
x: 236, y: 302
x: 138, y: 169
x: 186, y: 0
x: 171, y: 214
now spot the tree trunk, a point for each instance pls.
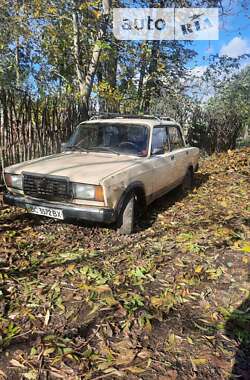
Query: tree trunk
x: 17, y: 59
x: 86, y: 84
x: 151, y: 71
x: 76, y: 50
x: 143, y: 66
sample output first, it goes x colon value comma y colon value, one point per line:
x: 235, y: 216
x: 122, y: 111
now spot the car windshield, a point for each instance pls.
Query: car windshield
x: 118, y: 138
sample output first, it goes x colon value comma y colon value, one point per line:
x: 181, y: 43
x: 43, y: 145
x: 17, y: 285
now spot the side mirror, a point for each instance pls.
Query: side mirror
x: 156, y: 151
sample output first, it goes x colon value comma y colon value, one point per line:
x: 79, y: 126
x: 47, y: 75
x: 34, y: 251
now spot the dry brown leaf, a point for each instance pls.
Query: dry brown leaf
x: 16, y: 363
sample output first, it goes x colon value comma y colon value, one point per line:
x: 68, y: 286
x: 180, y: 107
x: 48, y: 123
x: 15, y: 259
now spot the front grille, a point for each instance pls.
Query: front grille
x: 46, y: 187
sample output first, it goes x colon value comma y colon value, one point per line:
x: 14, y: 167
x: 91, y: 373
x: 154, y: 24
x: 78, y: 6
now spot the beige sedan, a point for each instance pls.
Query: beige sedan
x: 109, y: 169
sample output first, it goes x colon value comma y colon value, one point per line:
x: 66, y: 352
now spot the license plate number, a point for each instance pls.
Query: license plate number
x: 45, y: 211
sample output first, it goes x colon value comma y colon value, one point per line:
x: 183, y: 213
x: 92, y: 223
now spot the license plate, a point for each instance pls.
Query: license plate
x: 45, y: 211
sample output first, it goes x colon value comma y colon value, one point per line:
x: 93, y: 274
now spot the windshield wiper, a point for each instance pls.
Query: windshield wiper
x: 104, y: 149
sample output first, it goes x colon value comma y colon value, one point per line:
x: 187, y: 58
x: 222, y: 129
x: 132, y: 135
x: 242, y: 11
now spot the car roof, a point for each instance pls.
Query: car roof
x: 151, y: 122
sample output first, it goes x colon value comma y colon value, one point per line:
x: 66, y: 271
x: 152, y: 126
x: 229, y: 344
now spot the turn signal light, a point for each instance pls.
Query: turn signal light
x: 99, y: 196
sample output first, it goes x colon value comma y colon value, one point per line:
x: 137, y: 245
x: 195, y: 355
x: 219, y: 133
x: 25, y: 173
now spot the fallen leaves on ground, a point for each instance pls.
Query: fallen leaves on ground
x: 81, y: 302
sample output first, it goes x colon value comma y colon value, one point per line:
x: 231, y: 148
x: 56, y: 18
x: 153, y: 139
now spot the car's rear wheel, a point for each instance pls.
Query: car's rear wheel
x: 188, y: 181
x: 126, y: 218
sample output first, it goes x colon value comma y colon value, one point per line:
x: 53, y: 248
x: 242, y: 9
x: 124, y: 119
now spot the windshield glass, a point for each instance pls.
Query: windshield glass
x: 115, y: 138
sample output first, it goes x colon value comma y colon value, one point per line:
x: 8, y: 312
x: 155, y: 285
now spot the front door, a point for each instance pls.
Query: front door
x: 179, y: 152
x: 162, y: 162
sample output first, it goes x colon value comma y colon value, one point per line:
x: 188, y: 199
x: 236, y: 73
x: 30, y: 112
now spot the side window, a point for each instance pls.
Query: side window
x: 175, y: 138
x: 159, y: 141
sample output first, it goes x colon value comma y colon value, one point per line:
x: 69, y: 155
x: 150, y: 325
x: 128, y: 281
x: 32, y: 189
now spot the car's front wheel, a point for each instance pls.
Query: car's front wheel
x: 188, y: 181
x: 126, y: 218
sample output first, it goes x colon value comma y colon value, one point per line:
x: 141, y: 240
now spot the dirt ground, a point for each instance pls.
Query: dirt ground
x: 170, y: 302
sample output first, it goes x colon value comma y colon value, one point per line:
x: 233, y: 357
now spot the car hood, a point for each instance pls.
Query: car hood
x: 77, y: 166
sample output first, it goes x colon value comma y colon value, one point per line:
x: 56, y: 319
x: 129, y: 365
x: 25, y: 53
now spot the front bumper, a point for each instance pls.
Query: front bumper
x: 87, y: 213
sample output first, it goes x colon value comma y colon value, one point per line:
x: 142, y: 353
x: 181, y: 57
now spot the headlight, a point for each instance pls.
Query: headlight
x: 88, y: 192
x: 14, y: 180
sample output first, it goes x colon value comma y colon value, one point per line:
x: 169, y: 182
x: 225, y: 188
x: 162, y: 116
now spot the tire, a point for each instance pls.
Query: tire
x: 188, y: 181
x: 126, y: 218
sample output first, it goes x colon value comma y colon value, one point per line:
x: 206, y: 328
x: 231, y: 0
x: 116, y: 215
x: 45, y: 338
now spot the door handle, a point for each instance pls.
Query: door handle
x: 172, y: 158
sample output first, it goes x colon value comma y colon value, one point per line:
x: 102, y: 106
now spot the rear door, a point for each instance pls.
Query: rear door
x: 179, y: 152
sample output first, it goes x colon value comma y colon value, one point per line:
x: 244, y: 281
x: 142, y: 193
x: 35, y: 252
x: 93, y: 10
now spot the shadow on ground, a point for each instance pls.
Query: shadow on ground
x: 238, y: 328
x: 168, y: 200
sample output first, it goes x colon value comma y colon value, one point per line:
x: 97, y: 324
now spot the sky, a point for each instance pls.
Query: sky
x: 234, y: 35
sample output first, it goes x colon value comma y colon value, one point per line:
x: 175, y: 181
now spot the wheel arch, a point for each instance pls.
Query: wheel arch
x: 138, y: 189
x: 191, y: 168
